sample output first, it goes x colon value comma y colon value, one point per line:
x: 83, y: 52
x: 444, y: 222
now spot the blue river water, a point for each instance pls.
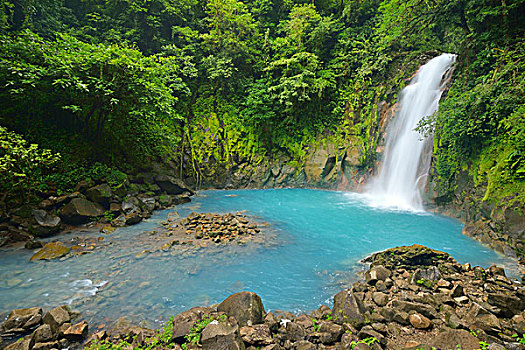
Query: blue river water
x: 315, y: 242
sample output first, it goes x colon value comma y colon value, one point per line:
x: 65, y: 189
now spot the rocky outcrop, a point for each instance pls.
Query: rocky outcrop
x: 54, y: 330
x: 80, y: 211
x: 246, y: 307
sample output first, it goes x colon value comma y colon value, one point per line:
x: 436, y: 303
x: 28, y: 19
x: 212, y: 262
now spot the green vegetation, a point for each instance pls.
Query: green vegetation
x: 368, y: 341
x: 208, y: 85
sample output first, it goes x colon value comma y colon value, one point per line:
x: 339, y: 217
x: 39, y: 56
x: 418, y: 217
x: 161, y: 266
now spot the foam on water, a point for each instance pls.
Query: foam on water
x: 319, y: 239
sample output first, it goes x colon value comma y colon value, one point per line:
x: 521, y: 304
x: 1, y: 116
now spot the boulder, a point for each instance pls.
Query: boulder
x: 480, y: 318
x: 180, y: 199
x: 221, y: 336
x: 291, y: 331
x: 133, y: 218
x: 348, y: 308
x: 329, y: 332
x: 77, y: 332
x: 380, y: 298
x: 257, y: 335
x: 80, y: 211
x: 377, y: 273
x: 246, y: 307
x: 455, y: 339
x: 508, y: 304
x: 131, y: 205
x: 304, y: 345
x: 419, y: 321
x: 172, y: 185
x: 430, y: 274
x: 25, y: 343
x: 165, y: 201
x: 149, y: 203
x: 43, y: 334
x: 407, y: 256
x: 407, y: 306
x: 46, y: 224
x: 50, y: 251
x: 100, y: 194
x: 47, y: 346
x: 23, y: 318
x: 185, y: 320
x: 57, y: 317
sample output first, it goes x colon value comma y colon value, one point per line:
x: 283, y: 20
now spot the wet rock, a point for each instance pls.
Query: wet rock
x: 100, y: 194
x: 46, y: 224
x: 180, y: 199
x: 149, y: 203
x: 165, y: 201
x: 419, y: 321
x: 80, y: 211
x: 348, y: 308
x: 246, y: 307
x: 57, y: 317
x: 25, y: 343
x: 172, y: 185
x: 77, y: 332
x: 43, y: 334
x: 133, y: 218
x: 32, y: 244
x: 50, y: 251
x: 454, y: 339
x: 25, y: 319
x: 120, y: 221
x: 221, y: 336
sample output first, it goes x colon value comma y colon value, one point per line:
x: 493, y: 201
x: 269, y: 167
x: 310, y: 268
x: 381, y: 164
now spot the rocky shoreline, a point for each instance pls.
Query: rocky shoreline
x: 410, y: 298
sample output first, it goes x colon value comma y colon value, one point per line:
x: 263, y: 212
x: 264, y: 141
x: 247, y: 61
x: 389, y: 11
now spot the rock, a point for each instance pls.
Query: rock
x: 258, y: 334
x: 120, y: 221
x: 407, y: 256
x: 348, y: 308
x: 246, y: 307
x: 480, y: 318
x: 23, y: 318
x: 185, y: 320
x: 133, y: 218
x: 380, y: 298
x: 57, y: 317
x: 100, y: 194
x: 407, y: 306
x: 291, y: 331
x: 455, y: 339
x: 114, y: 208
x: 83, y: 185
x: 25, y: 343
x: 149, y: 203
x: 47, y: 224
x: 80, y: 211
x: 172, y: 185
x: 377, y: 273
x: 180, y: 199
x: 50, y: 251
x: 508, y: 304
x: 419, y: 321
x: 47, y: 346
x: 165, y: 201
x: 430, y: 274
x: 43, y: 334
x: 304, y: 345
x: 457, y: 291
x: 368, y: 332
x: 77, y: 332
x: 31, y: 244
x: 329, y: 332
x: 130, y: 205
x: 221, y: 336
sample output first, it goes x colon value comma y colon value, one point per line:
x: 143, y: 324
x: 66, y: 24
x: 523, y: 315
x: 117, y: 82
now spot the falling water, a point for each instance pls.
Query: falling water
x: 407, y: 153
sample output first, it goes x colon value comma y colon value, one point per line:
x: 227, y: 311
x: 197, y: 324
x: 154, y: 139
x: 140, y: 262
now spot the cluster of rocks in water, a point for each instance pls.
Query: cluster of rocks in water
x: 126, y: 205
x: 218, y: 227
x: 53, y: 330
x: 411, y: 298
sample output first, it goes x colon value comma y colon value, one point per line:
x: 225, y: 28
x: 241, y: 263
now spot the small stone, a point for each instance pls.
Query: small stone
x: 380, y: 298
x: 77, y: 332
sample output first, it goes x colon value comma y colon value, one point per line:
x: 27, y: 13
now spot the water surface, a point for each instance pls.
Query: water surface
x: 316, y: 239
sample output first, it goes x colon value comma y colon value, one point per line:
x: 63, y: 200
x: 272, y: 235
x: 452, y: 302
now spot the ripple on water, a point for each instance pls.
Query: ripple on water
x: 317, y: 239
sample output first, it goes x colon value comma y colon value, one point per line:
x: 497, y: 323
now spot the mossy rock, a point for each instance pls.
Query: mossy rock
x: 50, y: 251
x: 407, y: 256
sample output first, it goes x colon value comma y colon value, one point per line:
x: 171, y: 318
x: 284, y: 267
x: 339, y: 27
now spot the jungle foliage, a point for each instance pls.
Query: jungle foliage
x: 226, y: 82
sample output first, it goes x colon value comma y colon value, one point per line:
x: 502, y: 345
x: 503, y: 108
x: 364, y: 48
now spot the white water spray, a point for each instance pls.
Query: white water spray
x: 407, y: 153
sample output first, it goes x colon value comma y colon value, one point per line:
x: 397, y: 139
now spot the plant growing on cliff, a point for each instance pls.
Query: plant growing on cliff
x: 194, y: 334
x: 22, y: 165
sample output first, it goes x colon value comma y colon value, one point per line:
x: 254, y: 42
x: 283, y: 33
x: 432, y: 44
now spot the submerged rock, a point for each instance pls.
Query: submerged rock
x: 50, y: 251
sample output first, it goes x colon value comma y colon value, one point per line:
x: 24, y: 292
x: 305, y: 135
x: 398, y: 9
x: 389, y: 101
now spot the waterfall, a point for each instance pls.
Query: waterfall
x: 407, y: 153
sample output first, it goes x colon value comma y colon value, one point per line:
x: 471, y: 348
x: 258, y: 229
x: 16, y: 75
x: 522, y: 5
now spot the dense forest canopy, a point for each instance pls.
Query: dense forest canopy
x: 117, y: 84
